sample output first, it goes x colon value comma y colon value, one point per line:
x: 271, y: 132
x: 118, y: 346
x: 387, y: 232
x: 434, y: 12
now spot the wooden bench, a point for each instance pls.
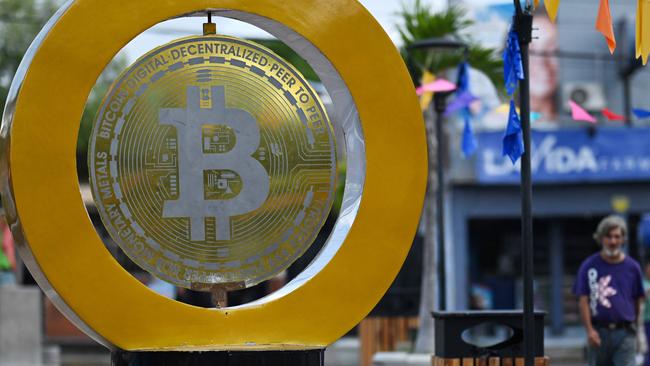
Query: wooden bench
x: 436, y: 361
x: 383, y: 334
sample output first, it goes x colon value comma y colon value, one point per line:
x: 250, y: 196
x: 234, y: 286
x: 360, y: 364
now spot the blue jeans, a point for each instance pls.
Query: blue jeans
x: 617, y: 348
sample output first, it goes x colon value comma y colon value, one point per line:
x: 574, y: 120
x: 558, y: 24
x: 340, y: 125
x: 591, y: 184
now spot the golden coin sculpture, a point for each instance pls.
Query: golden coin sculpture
x: 212, y: 162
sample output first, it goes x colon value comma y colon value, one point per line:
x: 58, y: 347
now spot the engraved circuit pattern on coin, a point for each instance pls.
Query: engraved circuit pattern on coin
x: 212, y: 161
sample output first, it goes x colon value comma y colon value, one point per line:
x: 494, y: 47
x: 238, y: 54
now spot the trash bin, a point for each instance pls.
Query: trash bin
x: 453, y: 347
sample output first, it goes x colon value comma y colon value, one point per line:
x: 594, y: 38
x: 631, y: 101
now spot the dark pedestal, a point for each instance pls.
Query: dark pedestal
x: 222, y: 358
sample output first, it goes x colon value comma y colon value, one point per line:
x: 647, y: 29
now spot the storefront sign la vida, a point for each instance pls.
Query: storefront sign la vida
x: 556, y: 159
x: 571, y: 155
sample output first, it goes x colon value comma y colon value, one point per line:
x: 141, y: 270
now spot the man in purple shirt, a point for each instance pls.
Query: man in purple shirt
x: 610, y: 290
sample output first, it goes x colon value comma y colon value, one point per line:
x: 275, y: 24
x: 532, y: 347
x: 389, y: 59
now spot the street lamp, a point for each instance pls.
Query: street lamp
x: 443, y: 44
x: 523, y: 24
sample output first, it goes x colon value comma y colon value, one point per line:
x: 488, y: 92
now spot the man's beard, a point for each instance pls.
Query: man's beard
x: 612, y: 253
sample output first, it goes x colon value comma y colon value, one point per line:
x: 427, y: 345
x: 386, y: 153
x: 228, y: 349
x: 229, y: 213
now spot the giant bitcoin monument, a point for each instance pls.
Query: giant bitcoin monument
x: 213, y: 165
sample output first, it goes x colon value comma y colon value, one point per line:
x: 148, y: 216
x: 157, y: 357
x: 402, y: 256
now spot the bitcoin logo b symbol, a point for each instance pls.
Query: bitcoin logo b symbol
x: 194, y: 161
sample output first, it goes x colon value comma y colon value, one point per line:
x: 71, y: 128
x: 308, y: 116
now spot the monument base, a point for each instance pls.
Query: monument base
x: 221, y: 358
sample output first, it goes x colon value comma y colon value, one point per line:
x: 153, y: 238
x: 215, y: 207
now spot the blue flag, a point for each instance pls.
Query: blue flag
x: 468, y: 145
x: 513, y: 144
x: 513, y: 69
x: 462, y: 102
x: 641, y: 113
x: 462, y: 85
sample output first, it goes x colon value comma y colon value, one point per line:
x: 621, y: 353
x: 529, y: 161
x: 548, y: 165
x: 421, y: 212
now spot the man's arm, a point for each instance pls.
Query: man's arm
x: 639, y: 308
x: 642, y: 342
x: 585, y: 315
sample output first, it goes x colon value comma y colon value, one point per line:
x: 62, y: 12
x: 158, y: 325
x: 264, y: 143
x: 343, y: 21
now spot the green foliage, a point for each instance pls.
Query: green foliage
x: 420, y: 23
x: 484, y: 59
x: 20, y: 22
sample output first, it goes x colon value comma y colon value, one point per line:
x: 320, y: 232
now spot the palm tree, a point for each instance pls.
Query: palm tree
x: 420, y: 24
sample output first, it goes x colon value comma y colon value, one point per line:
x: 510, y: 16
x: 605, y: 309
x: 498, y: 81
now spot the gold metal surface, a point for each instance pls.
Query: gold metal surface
x: 212, y: 161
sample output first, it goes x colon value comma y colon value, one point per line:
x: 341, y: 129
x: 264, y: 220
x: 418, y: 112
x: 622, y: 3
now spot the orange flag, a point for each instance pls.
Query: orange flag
x: 604, y: 24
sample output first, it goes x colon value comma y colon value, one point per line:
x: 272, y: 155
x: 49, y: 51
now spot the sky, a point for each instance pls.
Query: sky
x: 383, y: 10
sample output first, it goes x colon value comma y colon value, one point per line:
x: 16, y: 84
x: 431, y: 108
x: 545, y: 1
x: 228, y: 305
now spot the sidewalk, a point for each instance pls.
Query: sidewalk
x: 567, y: 349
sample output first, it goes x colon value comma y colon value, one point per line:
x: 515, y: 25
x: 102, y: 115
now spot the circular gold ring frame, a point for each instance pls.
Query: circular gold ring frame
x: 41, y: 195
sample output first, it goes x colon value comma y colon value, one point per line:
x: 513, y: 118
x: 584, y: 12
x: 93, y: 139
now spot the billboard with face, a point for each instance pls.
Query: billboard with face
x: 496, y: 15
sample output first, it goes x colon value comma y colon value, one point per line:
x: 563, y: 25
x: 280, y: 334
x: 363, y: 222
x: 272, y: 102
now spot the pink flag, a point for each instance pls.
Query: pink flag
x: 439, y: 85
x: 580, y: 114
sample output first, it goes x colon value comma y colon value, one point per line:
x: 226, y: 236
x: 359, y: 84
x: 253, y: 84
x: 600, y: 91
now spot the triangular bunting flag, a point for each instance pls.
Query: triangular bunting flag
x: 437, y: 86
x: 612, y: 116
x: 513, y: 144
x: 505, y: 109
x: 637, y: 35
x: 535, y: 116
x: 469, y: 140
x: 513, y: 69
x: 579, y: 114
x: 425, y: 99
x: 463, y: 100
x: 642, y: 30
x: 463, y: 78
x: 551, y: 8
x: 604, y: 24
x: 641, y: 113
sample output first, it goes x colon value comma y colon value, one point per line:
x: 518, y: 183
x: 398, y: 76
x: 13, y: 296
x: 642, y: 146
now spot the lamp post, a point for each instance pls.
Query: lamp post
x: 439, y: 105
x: 523, y: 23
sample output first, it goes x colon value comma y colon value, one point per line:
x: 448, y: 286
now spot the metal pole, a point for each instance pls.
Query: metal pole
x: 627, y: 104
x: 440, y: 106
x: 628, y: 65
x: 524, y: 23
x: 557, y: 277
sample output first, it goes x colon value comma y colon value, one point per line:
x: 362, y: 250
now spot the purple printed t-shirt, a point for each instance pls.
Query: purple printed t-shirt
x: 612, y: 289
